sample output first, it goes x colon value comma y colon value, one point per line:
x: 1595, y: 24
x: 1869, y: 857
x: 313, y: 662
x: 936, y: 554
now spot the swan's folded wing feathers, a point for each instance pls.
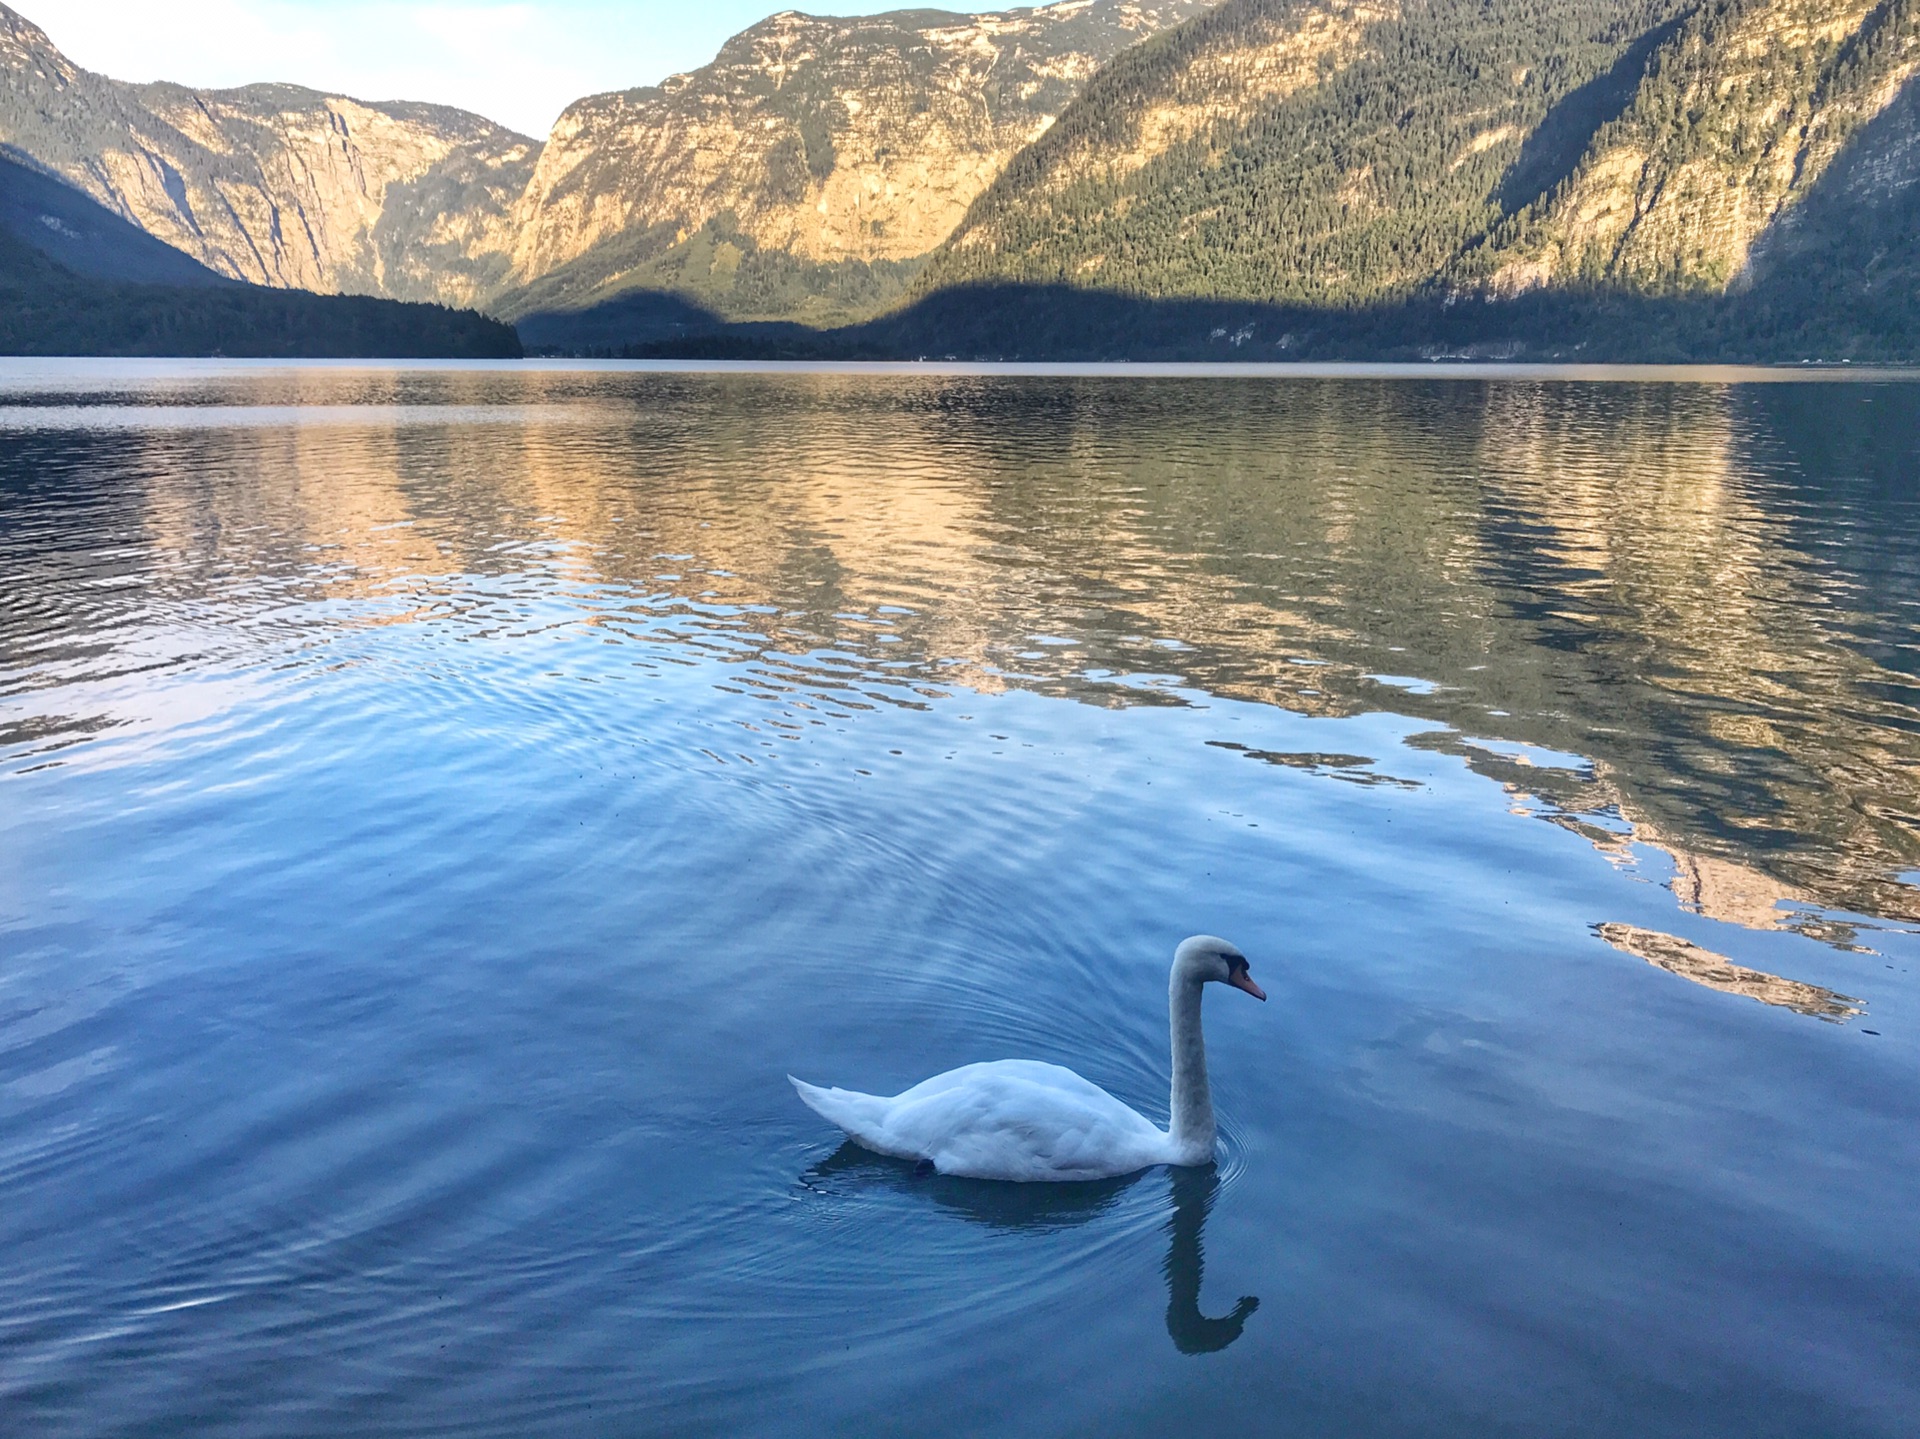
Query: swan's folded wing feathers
x: 1010, y: 1122
x: 1011, y: 1119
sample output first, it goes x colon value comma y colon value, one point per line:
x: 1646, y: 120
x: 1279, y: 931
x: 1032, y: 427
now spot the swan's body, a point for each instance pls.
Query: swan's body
x: 1008, y: 1119
x: 1023, y: 1120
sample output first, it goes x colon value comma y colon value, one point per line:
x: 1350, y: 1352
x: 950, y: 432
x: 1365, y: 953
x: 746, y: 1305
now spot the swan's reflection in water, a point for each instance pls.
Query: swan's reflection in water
x: 1191, y: 1331
x: 1057, y: 1206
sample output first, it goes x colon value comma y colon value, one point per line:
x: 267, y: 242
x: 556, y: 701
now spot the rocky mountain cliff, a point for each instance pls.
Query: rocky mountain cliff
x: 272, y: 183
x: 803, y: 173
x: 78, y: 236
x: 811, y: 160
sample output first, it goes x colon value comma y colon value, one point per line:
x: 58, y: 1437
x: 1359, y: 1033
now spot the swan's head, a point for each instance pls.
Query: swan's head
x: 1205, y: 959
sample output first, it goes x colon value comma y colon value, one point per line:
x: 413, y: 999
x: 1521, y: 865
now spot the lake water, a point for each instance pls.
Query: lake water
x: 439, y: 807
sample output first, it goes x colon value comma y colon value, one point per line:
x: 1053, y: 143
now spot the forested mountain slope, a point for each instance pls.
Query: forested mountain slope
x: 1839, y: 270
x: 1643, y: 172
x: 1736, y: 122
x: 1323, y: 151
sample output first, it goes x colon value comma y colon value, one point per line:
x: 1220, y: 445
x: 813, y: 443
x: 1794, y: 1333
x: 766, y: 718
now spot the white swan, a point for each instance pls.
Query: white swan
x: 1023, y: 1120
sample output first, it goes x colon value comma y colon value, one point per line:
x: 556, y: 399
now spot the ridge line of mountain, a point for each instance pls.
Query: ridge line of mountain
x: 1095, y: 177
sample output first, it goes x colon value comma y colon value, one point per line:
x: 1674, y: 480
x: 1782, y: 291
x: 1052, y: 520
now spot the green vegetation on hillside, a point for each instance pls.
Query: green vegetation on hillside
x: 717, y: 268
x: 1624, y: 179
x: 1360, y: 187
x: 1733, y: 126
x: 1841, y: 273
x: 46, y: 309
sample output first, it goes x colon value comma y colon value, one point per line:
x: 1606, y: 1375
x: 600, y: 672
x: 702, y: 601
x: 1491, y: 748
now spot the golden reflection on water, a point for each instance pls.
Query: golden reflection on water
x: 1716, y: 971
x: 1621, y: 575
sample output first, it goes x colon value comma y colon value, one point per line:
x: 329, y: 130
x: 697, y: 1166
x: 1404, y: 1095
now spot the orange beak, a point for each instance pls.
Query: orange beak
x: 1240, y: 979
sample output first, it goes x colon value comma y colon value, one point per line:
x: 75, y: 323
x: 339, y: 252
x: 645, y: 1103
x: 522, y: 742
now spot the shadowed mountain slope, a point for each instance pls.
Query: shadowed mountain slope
x: 76, y: 279
x: 70, y: 229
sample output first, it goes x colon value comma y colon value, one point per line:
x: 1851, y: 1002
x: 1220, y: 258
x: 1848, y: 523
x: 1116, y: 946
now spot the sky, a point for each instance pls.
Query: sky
x: 516, y: 61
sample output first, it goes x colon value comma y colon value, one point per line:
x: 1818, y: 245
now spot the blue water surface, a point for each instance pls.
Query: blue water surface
x: 439, y: 807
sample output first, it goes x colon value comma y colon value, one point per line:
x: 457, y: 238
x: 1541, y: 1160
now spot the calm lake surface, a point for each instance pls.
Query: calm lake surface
x: 439, y: 807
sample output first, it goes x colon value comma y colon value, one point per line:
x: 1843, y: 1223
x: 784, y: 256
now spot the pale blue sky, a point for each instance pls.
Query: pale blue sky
x: 515, y: 61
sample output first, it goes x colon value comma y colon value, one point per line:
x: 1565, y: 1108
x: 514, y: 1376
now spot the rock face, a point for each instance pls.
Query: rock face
x: 272, y: 183
x: 77, y: 279
x: 829, y: 141
x: 815, y: 160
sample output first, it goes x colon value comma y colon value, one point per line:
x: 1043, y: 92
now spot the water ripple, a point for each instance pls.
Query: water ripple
x: 441, y: 806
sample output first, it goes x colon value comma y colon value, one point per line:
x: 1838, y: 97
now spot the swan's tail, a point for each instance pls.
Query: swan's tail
x: 861, y: 1115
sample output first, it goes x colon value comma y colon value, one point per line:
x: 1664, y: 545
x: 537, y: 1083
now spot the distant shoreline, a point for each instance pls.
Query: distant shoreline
x: 20, y: 373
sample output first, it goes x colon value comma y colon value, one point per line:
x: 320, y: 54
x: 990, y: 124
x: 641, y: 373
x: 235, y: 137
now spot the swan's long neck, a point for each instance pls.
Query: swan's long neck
x: 1192, y: 1131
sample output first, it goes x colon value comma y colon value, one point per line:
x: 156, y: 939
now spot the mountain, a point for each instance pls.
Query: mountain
x: 1628, y: 179
x: 76, y: 279
x: 806, y: 172
x: 1839, y: 272
x: 1623, y: 177
x: 275, y: 184
x: 1316, y: 151
x: 1736, y: 122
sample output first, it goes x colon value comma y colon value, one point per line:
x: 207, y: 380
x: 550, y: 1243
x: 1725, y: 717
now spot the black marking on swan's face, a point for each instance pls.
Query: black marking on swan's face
x: 1240, y: 976
x: 1221, y: 962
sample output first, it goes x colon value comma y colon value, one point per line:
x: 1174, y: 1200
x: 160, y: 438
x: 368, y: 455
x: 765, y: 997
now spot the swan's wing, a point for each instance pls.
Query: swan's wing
x: 1010, y: 1119
x: 1031, y: 1071
x: 1021, y: 1120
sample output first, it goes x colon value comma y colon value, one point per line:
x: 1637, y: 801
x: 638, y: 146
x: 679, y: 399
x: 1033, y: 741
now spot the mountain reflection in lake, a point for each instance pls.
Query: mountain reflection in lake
x: 441, y: 805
